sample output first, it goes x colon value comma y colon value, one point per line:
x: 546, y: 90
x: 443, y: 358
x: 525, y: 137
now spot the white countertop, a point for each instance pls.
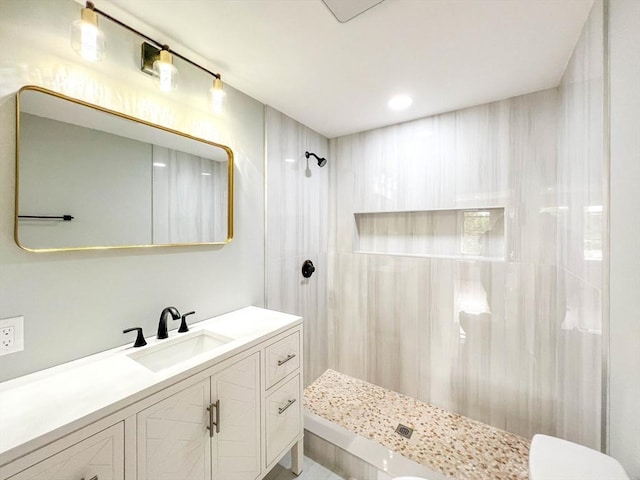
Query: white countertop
x: 38, y: 408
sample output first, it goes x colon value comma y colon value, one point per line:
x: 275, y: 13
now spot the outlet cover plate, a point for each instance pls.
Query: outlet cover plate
x: 16, y: 325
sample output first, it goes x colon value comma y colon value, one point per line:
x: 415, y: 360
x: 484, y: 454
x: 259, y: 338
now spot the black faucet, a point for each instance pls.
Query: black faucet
x: 162, y: 324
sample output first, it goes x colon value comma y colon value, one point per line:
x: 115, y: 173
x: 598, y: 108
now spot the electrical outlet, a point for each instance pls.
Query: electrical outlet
x: 11, y: 335
x: 6, y: 337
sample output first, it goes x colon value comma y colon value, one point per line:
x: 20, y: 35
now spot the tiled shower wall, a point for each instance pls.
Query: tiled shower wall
x: 474, y: 336
x: 297, y: 216
x: 512, y: 339
x: 515, y: 342
x: 582, y: 223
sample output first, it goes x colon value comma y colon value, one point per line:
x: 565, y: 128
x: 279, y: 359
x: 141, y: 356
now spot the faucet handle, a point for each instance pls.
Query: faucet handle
x: 183, y: 325
x: 140, y: 341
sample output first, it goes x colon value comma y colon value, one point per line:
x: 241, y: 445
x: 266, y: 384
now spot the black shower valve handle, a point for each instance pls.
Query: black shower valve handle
x: 140, y: 341
x: 308, y: 268
x: 183, y: 324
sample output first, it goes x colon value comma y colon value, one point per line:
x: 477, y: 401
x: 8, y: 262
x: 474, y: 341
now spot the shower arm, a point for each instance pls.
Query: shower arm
x: 308, y: 154
x: 321, y: 160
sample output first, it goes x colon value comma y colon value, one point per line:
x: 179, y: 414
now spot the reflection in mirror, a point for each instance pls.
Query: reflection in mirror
x: 87, y: 177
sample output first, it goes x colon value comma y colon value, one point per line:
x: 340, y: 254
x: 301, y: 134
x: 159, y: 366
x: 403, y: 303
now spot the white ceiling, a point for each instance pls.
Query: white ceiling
x: 337, y: 77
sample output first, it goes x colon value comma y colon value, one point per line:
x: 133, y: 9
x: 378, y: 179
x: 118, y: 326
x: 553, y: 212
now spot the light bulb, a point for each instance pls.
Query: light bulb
x: 217, y: 94
x: 87, y: 40
x: 165, y: 72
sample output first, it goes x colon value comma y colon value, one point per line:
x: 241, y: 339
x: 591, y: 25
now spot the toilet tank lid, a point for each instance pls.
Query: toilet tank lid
x: 552, y: 458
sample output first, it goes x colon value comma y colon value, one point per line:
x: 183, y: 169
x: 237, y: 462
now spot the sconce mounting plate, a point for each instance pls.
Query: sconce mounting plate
x: 148, y: 55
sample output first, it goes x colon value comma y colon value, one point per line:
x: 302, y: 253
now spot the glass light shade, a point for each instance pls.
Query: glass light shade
x: 87, y: 40
x: 165, y: 72
x: 217, y: 94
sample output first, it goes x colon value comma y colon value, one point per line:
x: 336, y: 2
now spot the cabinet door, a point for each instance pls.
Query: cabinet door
x: 100, y: 456
x: 173, y: 440
x: 236, y: 447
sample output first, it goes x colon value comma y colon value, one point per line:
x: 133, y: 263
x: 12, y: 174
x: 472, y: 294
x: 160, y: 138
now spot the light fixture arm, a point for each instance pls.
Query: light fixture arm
x: 160, y: 45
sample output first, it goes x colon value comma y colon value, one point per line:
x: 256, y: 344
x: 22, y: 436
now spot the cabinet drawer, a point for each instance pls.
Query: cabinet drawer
x: 99, y: 456
x: 283, y: 417
x: 283, y: 357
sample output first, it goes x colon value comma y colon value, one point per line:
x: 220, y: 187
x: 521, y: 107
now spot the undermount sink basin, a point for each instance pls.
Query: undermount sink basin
x: 168, y: 353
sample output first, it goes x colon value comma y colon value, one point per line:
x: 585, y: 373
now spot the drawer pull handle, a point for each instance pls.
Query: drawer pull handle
x: 95, y: 477
x: 289, y: 357
x: 213, y: 423
x: 289, y: 403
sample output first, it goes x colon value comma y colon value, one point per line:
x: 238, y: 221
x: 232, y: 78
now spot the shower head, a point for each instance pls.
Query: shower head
x: 321, y: 160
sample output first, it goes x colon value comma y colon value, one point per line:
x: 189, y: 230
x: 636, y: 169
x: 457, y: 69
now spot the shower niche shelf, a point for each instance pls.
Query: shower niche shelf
x: 448, y: 233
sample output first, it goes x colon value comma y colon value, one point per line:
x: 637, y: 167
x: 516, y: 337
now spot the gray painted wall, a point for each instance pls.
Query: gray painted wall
x: 624, y: 366
x: 77, y: 303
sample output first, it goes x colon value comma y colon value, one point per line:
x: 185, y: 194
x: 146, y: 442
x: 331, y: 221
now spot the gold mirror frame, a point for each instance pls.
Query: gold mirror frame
x: 230, y: 173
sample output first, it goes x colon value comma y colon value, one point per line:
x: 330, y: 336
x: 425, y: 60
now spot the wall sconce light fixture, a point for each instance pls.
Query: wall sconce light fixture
x: 87, y: 40
x: 158, y: 62
x: 156, y: 58
x: 217, y: 94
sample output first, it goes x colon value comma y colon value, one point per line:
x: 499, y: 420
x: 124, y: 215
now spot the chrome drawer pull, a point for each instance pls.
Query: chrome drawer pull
x: 289, y: 403
x: 95, y: 477
x: 289, y: 357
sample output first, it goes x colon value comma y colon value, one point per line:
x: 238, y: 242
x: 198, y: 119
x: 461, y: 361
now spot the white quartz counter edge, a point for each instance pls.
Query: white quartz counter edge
x: 41, y: 407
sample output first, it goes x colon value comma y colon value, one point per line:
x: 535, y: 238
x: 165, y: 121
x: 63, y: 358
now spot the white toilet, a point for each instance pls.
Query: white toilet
x: 552, y: 458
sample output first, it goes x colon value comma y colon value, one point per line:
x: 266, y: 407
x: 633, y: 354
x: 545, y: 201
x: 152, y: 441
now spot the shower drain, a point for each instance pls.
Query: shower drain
x: 404, y: 431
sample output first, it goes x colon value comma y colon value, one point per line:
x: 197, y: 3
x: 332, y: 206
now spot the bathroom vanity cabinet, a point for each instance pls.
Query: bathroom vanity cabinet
x: 180, y: 435
x: 229, y: 417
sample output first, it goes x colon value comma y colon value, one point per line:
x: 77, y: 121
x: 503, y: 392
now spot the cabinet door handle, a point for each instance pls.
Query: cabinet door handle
x: 95, y: 477
x: 210, y: 426
x: 289, y: 403
x: 212, y: 422
x: 289, y: 357
x: 217, y: 423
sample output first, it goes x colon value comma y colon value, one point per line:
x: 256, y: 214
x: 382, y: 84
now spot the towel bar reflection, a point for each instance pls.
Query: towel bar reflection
x: 64, y: 218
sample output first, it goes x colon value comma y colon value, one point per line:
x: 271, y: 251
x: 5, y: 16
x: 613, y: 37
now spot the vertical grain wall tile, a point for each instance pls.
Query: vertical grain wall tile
x: 351, y: 325
x: 297, y: 230
x: 581, y: 221
x: 514, y: 340
x: 418, y: 325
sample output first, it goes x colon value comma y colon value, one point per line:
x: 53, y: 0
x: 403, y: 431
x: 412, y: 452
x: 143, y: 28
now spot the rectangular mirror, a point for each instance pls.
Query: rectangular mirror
x: 88, y: 177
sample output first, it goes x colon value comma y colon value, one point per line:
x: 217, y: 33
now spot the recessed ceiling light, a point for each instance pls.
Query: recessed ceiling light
x: 400, y: 102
